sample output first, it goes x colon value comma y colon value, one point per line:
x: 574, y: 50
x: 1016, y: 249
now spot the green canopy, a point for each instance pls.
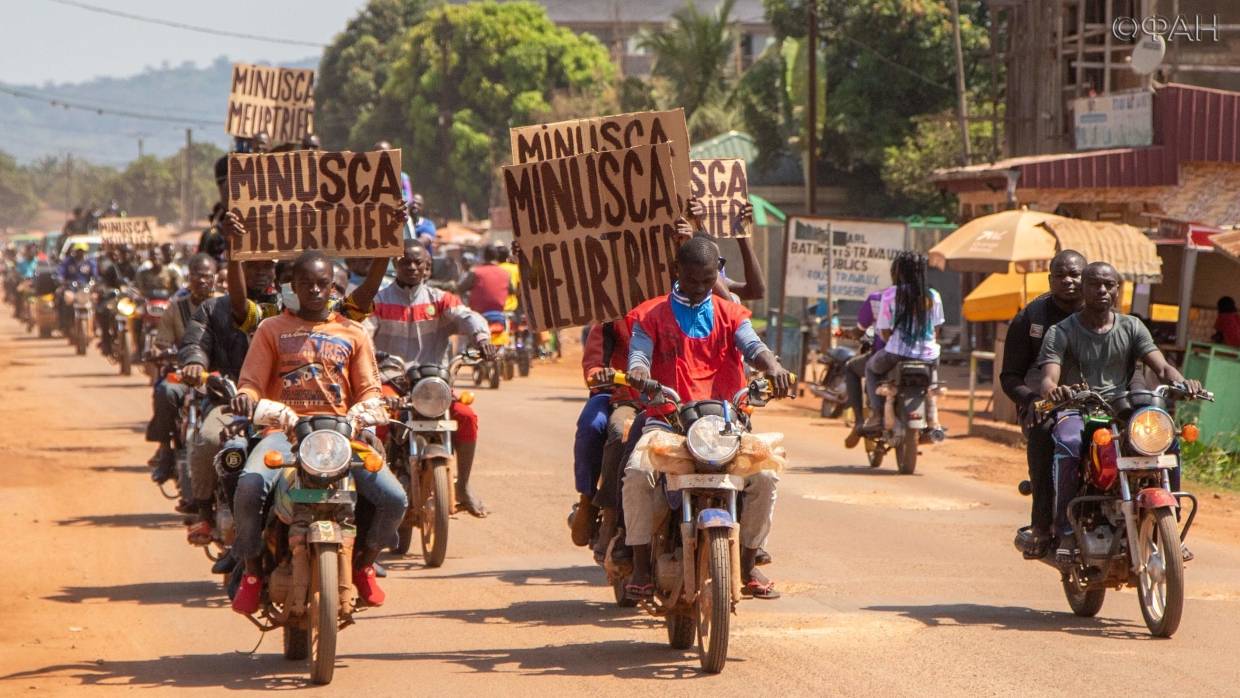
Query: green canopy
x: 762, y: 208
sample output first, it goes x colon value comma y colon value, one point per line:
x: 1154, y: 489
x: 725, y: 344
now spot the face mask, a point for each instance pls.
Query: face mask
x: 289, y: 299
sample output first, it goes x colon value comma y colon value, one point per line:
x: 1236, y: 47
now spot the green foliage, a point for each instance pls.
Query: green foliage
x: 462, y: 77
x: 18, y: 203
x: 1214, y: 463
x: 355, y: 67
x: 884, y: 63
x: 692, y: 55
x: 933, y: 144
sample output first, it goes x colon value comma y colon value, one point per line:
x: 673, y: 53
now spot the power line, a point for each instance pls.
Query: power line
x: 102, y: 111
x: 187, y: 27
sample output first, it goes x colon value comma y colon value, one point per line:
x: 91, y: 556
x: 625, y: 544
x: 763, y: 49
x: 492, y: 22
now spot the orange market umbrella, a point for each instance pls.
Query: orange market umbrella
x: 997, y: 243
x: 1000, y: 296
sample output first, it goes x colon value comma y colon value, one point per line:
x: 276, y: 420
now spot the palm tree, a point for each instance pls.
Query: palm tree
x: 692, y: 54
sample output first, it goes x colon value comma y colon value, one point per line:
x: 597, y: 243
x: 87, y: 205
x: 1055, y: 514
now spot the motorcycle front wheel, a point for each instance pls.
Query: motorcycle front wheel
x: 120, y: 345
x: 324, y: 607
x: 1161, y: 582
x: 523, y: 363
x: 436, y: 509
x: 81, y: 336
x: 714, y: 601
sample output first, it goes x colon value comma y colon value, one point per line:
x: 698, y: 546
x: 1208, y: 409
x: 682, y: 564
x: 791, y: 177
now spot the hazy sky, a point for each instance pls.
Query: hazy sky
x: 41, y: 40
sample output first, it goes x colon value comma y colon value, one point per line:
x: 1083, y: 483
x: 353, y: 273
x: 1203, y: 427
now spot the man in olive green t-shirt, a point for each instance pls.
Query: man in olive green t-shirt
x: 1100, y: 348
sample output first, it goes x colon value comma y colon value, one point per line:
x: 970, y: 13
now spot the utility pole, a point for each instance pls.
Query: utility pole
x: 68, y: 186
x: 962, y: 109
x: 187, y: 216
x: 811, y: 112
x: 139, y: 146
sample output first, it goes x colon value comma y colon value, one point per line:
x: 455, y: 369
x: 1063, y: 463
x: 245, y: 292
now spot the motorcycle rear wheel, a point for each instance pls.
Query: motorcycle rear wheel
x: 1085, y: 604
x: 296, y: 643
x: 509, y: 369
x: 906, y: 454
x: 436, y: 512
x: 324, y: 607
x: 714, y: 601
x: 1161, y: 585
x: 493, y: 376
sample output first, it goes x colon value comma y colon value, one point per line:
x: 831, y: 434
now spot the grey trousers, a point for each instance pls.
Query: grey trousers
x: 202, y: 454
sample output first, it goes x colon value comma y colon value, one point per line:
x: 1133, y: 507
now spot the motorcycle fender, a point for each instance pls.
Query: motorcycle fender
x: 914, y: 411
x: 325, y: 532
x: 1155, y: 498
x: 436, y: 452
x: 714, y: 518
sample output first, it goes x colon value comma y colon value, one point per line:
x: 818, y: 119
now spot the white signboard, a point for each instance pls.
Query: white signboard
x: 1117, y: 120
x: 860, y: 254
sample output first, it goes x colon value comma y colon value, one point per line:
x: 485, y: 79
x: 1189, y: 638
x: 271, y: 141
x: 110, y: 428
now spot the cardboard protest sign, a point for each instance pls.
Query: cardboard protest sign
x: 600, y: 133
x: 860, y: 256
x: 596, y: 232
x: 342, y: 203
x: 279, y: 101
x: 136, y: 232
x: 723, y: 187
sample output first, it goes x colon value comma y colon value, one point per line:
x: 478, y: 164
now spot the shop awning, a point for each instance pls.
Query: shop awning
x: 1133, y: 254
x: 763, y: 208
x: 1228, y: 243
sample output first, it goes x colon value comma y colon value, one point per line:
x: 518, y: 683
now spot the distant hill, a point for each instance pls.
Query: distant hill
x: 30, y: 129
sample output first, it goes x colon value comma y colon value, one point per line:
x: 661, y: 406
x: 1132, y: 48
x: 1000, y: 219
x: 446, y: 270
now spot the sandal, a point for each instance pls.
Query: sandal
x: 639, y: 592
x: 760, y: 590
x: 199, y: 533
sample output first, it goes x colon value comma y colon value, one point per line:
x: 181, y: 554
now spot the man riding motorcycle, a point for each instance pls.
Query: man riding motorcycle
x: 316, y: 361
x: 694, y: 343
x: 75, y: 270
x: 1100, y: 348
x: 1021, y: 378
x: 156, y: 276
x: 416, y: 322
x: 168, y: 395
x: 218, y: 340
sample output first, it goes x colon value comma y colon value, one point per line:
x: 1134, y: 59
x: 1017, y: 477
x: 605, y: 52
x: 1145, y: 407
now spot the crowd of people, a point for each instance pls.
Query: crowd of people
x: 308, y: 333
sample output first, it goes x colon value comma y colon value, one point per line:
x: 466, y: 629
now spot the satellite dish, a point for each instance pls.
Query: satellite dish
x: 1148, y: 54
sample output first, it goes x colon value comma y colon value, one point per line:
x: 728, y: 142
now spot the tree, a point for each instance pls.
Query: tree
x: 147, y: 187
x: 18, y: 203
x: 691, y: 55
x: 463, y: 76
x: 884, y: 62
x: 355, y: 66
x: 934, y: 144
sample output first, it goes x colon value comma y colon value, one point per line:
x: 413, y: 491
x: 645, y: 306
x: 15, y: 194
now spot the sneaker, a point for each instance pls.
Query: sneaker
x: 248, y: 595
x: 367, y: 584
x: 199, y: 533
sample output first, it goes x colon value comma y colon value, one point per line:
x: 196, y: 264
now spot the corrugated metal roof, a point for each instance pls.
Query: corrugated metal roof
x: 1191, y: 123
x: 732, y: 144
x: 1228, y: 243
x: 1133, y: 255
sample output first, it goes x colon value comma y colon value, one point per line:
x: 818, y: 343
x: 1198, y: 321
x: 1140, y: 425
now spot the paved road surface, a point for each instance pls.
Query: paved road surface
x: 892, y: 585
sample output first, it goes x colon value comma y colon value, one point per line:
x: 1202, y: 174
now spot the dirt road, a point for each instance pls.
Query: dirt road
x: 892, y: 585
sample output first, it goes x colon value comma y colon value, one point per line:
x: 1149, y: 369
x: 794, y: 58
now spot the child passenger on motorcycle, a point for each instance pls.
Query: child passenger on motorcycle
x: 908, y: 319
x: 416, y: 322
x: 694, y: 342
x: 316, y: 362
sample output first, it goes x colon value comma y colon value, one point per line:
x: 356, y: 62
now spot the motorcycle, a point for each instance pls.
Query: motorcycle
x: 522, y: 343
x: 696, y: 556
x: 830, y: 386
x: 153, y: 308
x: 910, y: 417
x: 1124, y: 517
x: 80, y: 298
x: 420, y: 450
x: 309, y: 534
x: 125, y: 304
x: 41, y: 314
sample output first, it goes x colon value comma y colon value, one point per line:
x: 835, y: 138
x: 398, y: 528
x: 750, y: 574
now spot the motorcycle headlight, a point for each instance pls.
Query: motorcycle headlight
x: 1150, y: 431
x: 324, y: 453
x: 431, y: 397
x: 126, y: 306
x: 707, y: 442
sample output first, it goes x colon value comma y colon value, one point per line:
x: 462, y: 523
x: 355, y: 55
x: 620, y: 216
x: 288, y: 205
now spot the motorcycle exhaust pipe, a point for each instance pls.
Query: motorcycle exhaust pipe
x: 936, y: 435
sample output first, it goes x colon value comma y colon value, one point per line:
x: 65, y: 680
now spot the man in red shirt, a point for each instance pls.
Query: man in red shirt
x: 1227, y: 324
x: 694, y: 342
x: 489, y: 284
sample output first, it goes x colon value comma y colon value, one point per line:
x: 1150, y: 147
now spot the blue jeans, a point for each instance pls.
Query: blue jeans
x: 381, y: 489
x: 588, y: 443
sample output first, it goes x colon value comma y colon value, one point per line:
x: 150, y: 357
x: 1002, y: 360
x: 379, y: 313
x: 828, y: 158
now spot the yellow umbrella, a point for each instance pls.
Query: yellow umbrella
x: 1000, y: 296
x: 996, y: 242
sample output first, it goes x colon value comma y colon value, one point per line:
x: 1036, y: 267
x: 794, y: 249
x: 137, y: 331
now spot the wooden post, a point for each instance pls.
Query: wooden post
x: 1106, y: 47
x: 962, y: 107
x: 811, y: 112
x: 187, y: 216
